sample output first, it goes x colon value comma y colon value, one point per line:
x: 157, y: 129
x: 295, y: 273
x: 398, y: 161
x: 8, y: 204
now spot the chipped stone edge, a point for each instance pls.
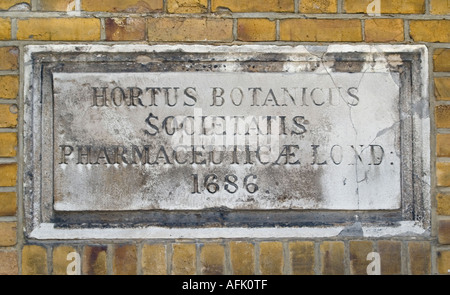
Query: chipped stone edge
x: 47, y: 231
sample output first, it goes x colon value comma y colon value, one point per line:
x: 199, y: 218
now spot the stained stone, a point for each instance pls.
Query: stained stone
x: 149, y: 132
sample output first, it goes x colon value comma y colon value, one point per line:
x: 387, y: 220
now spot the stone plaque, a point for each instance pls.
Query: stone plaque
x: 202, y: 136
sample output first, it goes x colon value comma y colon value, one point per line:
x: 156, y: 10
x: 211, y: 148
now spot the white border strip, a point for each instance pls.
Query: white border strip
x: 47, y: 231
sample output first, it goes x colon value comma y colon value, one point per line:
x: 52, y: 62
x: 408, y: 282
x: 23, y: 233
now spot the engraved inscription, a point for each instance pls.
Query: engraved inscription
x: 191, y: 141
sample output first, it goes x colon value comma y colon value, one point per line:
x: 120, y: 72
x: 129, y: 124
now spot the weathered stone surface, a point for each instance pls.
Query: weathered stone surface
x: 8, y: 4
x: 299, y: 146
x: 152, y: 132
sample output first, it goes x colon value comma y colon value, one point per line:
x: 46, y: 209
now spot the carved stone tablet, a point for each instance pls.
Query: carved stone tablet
x: 260, y: 136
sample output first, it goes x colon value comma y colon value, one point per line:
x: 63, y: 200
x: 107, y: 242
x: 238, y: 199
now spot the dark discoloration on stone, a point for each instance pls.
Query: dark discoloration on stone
x: 279, y: 185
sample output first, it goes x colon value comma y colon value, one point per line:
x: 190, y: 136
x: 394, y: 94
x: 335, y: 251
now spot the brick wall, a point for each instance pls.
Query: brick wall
x: 24, y: 22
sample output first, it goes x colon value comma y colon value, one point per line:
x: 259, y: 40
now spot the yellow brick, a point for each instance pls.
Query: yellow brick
x: 8, y: 144
x: 242, y: 256
x: 256, y: 29
x: 9, y: 87
x: 320, y: 30
x: 443, y: 262
x: 253, y: 6
x: 443, y: 204
x: 154, y: 260
x: 184, y: 259
x: 190, y: 29
x: 390, y: 256
x: 430, y: 30
x: 57, y: 5
x: 8, y: 115
x: 8, y: 236
x: 94, y: 260
x: 271, y: 258
x: 358, y: 256
x: 60, y: 261
x: 8, y: 174
x: 5, y: 29
x: 442, y: 88
x: 9, y: 58
x: 187, y: 6
x: 212, y: 259
x: 386, y: 6
x: 443, y: 173
x: 8, y: 263
x: 443, y: 145
x: 420, y: 258
x: 125, y: 260
x: 441, y: 60
x: 138, y: 6
x: 384, y: 30
x: 302, y: 258
x: 332, y: 258
x: 442, y: 116
x: 318, y: 6
x: 444, y: 232
x: 8, y: 204
x: 441, y: 7
x: 125, y: 29
x: 34, y: 260
x: 7, y: 4
x: 59, y: 29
